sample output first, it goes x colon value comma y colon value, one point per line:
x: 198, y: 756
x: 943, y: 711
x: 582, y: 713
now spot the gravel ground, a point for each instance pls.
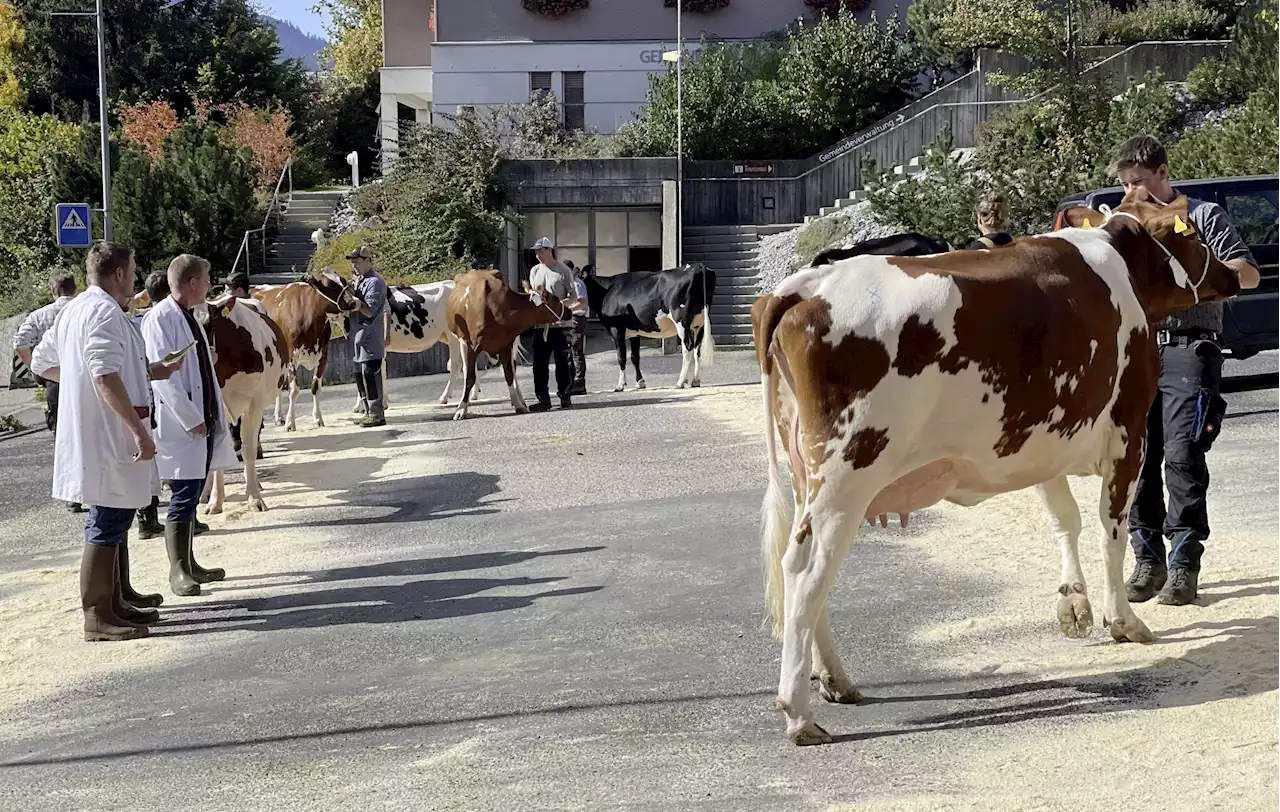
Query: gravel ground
x: 776, y: 255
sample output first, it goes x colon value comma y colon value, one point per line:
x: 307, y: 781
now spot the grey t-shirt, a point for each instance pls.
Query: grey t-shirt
x: 1217, y: 232
x: 366, y: 333
x: 556, y: 279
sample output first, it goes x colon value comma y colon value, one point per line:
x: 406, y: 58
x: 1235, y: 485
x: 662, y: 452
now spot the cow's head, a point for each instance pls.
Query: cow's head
x: 1168, y: 260
x: 334, y: 288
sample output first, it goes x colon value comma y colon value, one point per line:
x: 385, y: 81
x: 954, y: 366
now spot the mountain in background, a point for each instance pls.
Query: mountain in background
x: 296, y: 43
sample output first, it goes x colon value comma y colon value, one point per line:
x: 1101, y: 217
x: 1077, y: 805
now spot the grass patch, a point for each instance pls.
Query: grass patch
x: 818, y: 236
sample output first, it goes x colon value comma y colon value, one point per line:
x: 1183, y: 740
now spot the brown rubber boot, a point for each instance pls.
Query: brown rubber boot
x: 199, y: 573
x: 97, y: 591
x: 177, y: 542
x: 124, y: 610
x: 130, y: 595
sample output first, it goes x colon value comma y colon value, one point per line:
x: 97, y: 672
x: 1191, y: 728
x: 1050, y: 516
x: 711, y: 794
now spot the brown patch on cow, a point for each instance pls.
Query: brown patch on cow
x: 766, y: 312
x: 488, y: 316
x: 302, y: 315
x: 1027, y: 317
x: 804, y: 529
x: 1137, y: 391
x: 234, y: 345
x: 919, y: 346
x: 865, y: 447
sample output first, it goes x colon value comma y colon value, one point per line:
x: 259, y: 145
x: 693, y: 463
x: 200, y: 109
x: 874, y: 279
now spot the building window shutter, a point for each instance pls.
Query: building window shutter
x: 539, y: 84
x: 574, y: 101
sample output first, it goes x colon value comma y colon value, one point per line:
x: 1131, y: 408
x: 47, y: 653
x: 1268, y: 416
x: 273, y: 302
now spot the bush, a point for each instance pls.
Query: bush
x: 1152, y: 20
x: 939, y: 202
x: 818, y: 236
x: 1242, y: 144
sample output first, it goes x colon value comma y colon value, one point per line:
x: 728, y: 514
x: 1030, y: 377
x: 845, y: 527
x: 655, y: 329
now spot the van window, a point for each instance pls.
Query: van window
x: 1254, y: 214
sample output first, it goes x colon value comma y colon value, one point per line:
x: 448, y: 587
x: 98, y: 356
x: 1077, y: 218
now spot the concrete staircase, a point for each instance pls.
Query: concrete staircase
x: 730, y: 251
x: 288, y: 254
x: 911, y: 168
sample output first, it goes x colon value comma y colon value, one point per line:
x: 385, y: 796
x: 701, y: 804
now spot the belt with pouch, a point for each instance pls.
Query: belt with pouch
x: 143, y: 412
x: 1185, y: 338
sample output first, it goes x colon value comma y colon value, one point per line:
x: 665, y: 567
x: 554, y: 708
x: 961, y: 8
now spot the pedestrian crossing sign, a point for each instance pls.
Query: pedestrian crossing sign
x: 72, y: 224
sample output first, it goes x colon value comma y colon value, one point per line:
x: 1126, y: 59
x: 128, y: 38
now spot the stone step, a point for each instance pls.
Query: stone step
x: 717, y: 239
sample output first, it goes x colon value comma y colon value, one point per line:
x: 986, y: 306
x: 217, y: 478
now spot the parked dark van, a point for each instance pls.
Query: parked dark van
x: 1249, y: 320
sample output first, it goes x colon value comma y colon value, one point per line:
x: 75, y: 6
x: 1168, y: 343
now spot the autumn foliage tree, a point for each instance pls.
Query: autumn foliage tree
x: 265, y: 134
x: 147, y: 125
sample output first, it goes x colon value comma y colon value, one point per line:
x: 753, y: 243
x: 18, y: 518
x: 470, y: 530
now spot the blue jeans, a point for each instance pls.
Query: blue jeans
x: 184, y: 499
x: 108, y: 526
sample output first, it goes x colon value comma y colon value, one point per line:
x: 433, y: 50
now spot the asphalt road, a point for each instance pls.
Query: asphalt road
x: 566, y: 618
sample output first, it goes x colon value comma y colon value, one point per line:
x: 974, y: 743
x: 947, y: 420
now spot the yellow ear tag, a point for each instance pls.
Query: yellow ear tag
x: 1180, y: 226
x: 226, y: 312
x: 1087, y: 224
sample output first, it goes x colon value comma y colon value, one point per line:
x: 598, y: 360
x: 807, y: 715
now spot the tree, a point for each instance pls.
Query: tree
x: 11, y: 38
x: 355, y: 36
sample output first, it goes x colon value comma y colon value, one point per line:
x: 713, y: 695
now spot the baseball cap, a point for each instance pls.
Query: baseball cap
x: 543, y: 242
x: 362, y: 252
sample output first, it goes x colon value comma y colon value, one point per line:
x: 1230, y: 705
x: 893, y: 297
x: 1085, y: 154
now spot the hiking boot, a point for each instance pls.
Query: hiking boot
x: 566, y: 403
x: 1182, y: 588
x: 541, y: 406
x: 149, y: 526
x: 578, y: 388
x: 1147, y: 579
x: 372, y: 422
x: 127, y: 593
x: 177, y: 543
x: 98, y: 586
x: 202, y: 575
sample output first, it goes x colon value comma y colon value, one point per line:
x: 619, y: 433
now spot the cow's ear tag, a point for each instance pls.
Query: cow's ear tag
x: 226, y: 312
x: 1180, y: 226
x: 1087, y: 224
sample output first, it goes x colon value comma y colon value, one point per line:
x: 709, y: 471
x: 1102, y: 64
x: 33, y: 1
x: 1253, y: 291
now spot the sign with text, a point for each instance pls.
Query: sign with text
x: 755, y: 169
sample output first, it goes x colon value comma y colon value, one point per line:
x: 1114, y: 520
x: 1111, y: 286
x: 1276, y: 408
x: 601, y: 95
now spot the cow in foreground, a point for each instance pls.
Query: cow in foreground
x: 658, y: 305
x: 488, y: 316
x: 252, y: 353
x: 895, y: 383
x: 302, y: 311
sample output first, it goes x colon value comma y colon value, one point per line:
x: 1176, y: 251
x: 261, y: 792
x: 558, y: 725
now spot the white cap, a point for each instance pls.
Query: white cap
x: 543, y: 242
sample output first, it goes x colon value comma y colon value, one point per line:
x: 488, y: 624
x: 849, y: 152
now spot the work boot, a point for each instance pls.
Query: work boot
x: 202, y: 575
x: 1149, y: 570
x: 1184, y: 572
x: 566, y: 402
x: 177, y: 543
x: 130, y: 595
x: 124, y: 610
x: 578, y: 388
x: 541, y: 406
x: 76, y: 507
x: 97, y: 591
x: 149, y: 526
x: 372, y: 422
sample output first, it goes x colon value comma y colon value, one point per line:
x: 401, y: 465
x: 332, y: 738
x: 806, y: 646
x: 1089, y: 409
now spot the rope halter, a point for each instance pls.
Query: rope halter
x: 1180, y: 275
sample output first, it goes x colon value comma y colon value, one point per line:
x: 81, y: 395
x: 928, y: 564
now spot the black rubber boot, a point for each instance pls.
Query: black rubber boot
x: 177, y: 542
x: 124, y: 610
x: 1149, y: 569
x: 97, y: 590
x: 130, y: 595
x: 202, y: 575
x: 149, y: 526
x: 200, y: 527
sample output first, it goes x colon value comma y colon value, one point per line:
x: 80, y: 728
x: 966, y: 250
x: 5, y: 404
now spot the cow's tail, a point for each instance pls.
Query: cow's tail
x: 778, y: 509
x: 707, y: 351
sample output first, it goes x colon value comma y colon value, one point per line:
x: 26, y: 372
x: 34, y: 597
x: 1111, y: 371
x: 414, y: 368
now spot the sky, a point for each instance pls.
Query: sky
x: 297, y: 12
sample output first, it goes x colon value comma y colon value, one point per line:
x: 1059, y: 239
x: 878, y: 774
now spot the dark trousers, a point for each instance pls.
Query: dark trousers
x: 184, y: 494
x: 108, y: 526
x: 51, y: 405
x: 578, y: 348
x: 1187, y: 402
x: 369, y: 385
x: 546, y: 343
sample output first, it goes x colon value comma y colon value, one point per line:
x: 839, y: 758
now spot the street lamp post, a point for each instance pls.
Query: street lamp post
x: 677, y: 56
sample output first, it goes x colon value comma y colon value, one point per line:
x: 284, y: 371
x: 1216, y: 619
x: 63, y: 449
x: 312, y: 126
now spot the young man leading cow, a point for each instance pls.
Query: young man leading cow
x: 1187, y: 412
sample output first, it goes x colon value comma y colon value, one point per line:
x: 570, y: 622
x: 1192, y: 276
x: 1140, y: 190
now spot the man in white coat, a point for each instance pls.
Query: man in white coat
x: 192, y: 437
x: 103, y: 451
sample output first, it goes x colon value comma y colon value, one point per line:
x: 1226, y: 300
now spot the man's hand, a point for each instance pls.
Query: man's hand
x: 160, y: 371
x: 146, y: 446
x: 199, y: 430
x: 1249, y: 276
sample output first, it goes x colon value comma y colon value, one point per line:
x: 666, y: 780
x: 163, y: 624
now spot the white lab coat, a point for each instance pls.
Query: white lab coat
x: 180, y: 400
x: 93, y: 451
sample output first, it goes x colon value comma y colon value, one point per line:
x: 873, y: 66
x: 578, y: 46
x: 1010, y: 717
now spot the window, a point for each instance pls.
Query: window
x: 615, y: 241
x: 1254, y: 215
x: 575, y: 109
x: 539, y: 84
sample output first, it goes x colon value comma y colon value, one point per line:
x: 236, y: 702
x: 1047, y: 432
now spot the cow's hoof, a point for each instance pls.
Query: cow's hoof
x: 1129, y: 631
x: 280, y: 421
x: 621, y: 388
x: 257, y: 505
x: 1075, y: 615
x: 213, y: 508
x: 841, y: 692
x: 522, y: 409
x: 459, y: 415
x: 319, y: 424
x: 810, y: 733
x: 641, y: 385
x: 444, y: 400
x: 696, y: 383
x: 290, y: 428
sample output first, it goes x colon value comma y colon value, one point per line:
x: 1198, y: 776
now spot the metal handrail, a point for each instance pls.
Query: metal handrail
x: 273, y: 206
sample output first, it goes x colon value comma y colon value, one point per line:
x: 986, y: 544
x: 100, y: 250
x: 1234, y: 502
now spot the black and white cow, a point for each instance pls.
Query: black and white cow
x: 658, y: 305
x: 910, y: 244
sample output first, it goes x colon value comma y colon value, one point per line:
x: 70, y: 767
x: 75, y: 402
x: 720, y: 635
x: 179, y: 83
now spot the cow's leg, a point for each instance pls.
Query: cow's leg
x: 317, y: 383
x: 513, y: 385
x: 834, y: 684
x: 469, y: 371
x: 1075, y: 615
x: 1113, y: 508
x: 294, y: 390
x: 635, y: 362
x: 218, y: 484
x: 620, y: 342
x: 681, y: 336
x: 280, y: 395
x: 386, y: 399
x: 695, y: 344
x: 252, y: 421
x: 454, y: 366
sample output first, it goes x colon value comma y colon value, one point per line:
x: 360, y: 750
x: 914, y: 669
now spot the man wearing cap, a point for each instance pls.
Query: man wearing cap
x: 367, y: 338
x: 552, y: 276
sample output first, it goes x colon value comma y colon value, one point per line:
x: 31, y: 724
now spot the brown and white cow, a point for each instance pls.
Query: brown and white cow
x: 252, y: 353
x: 488, y: 316
x: 302, y: 311
x: 894, y: 383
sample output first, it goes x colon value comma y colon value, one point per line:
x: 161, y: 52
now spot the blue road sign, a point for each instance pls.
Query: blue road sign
x: 72, y: 223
